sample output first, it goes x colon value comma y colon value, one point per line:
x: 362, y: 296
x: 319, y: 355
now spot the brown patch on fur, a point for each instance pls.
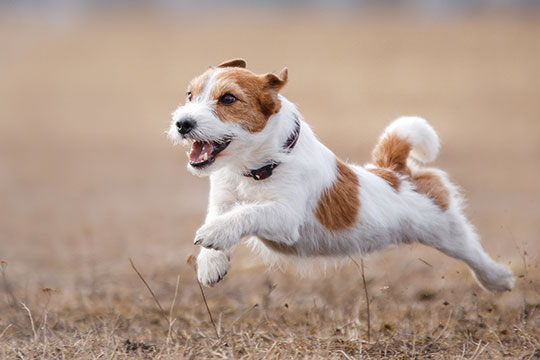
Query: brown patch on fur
x: 196, y: 86
x: 431, y: 185
x: 391, y: 152
x: 280, y: 247
x: 387, y: 176
x: 339, y: 204
x: 257, y: 97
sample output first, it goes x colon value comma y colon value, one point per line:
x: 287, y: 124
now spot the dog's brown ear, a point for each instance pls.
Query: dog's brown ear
x: 241, y: 63
x: 277, y: 81
x: 270, y: 103
x: 284, y: 75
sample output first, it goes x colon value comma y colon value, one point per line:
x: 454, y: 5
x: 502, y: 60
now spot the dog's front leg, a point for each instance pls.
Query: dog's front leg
x: 212, y: 265
x: 268, y: 220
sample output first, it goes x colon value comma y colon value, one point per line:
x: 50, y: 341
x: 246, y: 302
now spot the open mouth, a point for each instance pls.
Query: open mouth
x: 204, y: 153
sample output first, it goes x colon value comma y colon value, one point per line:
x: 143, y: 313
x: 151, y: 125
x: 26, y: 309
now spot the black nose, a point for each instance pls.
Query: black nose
x: 185, y: 125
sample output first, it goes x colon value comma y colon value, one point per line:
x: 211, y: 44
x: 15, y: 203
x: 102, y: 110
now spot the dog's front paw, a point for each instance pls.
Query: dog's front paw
x: 212, y: 266
x: 215, y: 235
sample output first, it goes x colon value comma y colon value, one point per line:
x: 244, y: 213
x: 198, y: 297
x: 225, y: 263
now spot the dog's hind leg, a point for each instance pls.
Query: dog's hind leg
x: 461, y: 242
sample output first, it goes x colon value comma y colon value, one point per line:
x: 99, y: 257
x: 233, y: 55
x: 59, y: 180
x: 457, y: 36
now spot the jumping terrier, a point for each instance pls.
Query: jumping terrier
x: 273, y: 183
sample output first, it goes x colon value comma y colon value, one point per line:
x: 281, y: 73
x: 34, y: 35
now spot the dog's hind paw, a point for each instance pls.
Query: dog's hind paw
x: 497, y: 278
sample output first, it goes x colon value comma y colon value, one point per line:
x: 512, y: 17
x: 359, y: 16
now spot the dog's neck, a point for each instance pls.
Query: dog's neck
x: 266, y: 170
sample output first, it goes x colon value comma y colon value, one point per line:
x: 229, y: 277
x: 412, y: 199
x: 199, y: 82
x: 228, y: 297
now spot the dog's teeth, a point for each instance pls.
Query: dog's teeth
x: 187, y: 154
x: 205, y: 156
x: 185, y: 142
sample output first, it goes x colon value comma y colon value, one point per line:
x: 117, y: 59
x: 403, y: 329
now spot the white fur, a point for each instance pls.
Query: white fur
x: 281, y: 208
x: 420, y: 135
x: 205, y: 94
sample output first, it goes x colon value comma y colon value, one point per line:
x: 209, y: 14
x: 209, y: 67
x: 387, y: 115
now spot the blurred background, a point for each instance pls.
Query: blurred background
x: 88, y: 178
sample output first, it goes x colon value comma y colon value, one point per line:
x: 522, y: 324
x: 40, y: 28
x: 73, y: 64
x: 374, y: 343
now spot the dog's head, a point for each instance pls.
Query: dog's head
x: 227, y: 108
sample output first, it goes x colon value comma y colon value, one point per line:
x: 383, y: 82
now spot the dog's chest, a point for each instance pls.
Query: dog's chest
x: 249, y: 192
x: 231, y: 190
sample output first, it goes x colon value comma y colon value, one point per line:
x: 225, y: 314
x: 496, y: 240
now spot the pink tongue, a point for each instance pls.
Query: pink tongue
x: 199, y: 149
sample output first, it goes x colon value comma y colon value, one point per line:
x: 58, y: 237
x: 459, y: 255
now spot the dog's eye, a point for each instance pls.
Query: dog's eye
x: 227, y: 99
x: 189, y: 95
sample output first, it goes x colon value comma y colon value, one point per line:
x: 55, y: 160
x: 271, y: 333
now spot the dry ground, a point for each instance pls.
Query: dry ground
x: 88, y: 180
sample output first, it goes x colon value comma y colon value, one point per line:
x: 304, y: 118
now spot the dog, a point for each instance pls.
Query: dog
x: 275, y: 184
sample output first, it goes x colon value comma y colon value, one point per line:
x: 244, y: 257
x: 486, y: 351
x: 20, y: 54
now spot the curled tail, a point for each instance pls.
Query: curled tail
x: 407, y: 136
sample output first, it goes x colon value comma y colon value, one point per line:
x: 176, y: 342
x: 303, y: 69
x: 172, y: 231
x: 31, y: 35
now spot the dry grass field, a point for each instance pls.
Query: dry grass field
x: 88, y: 181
